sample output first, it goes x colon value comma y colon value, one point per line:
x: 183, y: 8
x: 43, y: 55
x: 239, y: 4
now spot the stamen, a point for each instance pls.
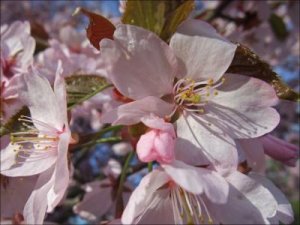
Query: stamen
x: 192, y: 96
x: 188, y: 207
x: 34, y: 144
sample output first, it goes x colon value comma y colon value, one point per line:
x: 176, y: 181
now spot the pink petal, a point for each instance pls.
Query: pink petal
x: 138, y: 59
x: 145, y: 147
x: 131, y: 113
x: 15, y: 195
x: 280, y: 150
x: 42, y: 102
x: 254, y: 153
x: 29, y: 166
x: 242, y: 107
x: 205, y: 56
x: 143, y: 195
x: 210, y: 141
x: 164, y: 145
x: 246, y: 92
x: 61, y: 93
x: 195, y: 27
x: 285, y: 212
x: 248, y: 202
x: 61, y: 173
x: 158, y: 123
x: 36, y: 206
x: 92, y: 207
x: 159, y: 211
x: 198, y: 180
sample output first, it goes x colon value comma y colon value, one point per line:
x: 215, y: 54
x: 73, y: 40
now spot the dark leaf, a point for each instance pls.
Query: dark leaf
x: 13, y: 124
x: 278, y: 27
x: 248, y: 63
x: 98, y: 28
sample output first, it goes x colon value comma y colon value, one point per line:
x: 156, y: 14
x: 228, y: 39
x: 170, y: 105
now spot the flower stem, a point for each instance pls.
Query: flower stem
x: 150, y: 166
x: 119, y: 198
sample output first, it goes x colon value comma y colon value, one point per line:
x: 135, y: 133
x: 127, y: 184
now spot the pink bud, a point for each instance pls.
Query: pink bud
x: 280, y: 150
x: 158, y: 143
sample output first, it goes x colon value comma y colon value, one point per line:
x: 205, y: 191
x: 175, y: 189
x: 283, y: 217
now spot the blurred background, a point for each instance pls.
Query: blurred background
x: 269, y: 28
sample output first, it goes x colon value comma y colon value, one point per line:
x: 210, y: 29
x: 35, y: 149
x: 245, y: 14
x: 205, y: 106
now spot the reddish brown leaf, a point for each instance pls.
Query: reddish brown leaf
x: 98, y: 28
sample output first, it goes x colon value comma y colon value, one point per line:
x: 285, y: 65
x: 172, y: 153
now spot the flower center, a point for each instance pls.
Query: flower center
x: 192, y: 96
x: 34, y: 144
x: 190, y: 207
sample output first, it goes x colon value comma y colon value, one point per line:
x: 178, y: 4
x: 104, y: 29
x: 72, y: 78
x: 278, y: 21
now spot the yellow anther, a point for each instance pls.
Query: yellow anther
x: 216, y: 93
x: 210, y: 221
x: 208, y: 94
x: 223, y: 79
x: 210, y: 82
x: 201, y: 110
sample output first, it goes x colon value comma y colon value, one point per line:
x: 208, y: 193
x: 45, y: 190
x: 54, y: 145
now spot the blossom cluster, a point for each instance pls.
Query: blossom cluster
x: 206, y: 130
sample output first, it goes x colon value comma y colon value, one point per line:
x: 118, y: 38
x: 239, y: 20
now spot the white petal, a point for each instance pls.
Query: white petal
x: 14, y: 166
x: 248, y: 202
x: 194, y: 27
x: 285, y: 212
x: 241, y: 122
x: 142, y: 196
x: 15, y: 194
x: 61, y: 93
x: 205, y: 57
x: 243, y: 91
x: 198, y: 180
x: 132, y: 112
x: 92, y: 207
x: 42, y: 101
x: 254, y: 153
x: 138, y: 63
x: 61, y: 173
x: 159, y: 210
x: 207, y: 139
x: 36, y: 206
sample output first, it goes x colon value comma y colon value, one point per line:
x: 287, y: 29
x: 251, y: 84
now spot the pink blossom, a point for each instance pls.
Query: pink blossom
x: 99, y: 192
x: 158, y: 143
x: 72, y: 63
x: 17, y: 48
x: 211, y: 105
x: 254, y: 150
x: 182, y: 194
x: 42, y: 149
x: 280, y: 150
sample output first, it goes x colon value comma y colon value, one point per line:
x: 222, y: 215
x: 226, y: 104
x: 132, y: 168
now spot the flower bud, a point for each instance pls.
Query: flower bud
x: 158, y: 143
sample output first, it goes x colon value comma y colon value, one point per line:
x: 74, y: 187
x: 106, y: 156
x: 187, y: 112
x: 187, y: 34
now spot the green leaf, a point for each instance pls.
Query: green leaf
x: 175, y: 19
x: 82, y: 87
x: 248, y: 63
x: 13, y: 124
x: 160, y: 17
x: 278, y: 27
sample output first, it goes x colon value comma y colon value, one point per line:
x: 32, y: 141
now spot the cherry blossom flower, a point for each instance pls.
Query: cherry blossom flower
x: 280, y: 150
x: 158, y: 143
x: 187, y: 78
x: 98, y: 192
x: 42, y: 149
x: 181, y: 194
x: 12, y: 187
x: 73, y: 63
x: 254, y: 150
x: 17, y: 48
